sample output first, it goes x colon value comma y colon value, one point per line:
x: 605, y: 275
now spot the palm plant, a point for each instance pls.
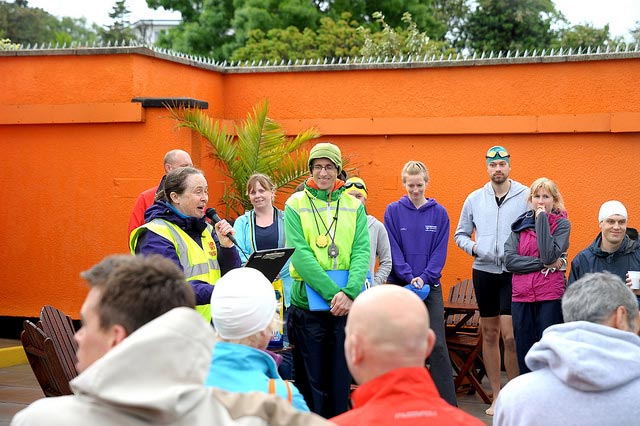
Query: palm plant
x: 259, y: 146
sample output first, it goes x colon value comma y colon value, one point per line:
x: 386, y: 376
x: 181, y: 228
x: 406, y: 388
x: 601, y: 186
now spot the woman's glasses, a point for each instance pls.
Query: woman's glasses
x: 494, y: 154
x: 356, y: 184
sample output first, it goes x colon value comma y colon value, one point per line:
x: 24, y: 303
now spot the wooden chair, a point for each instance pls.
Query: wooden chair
x: 44, y: 361
x: 463, y: 293
x: 59, y: 327
x: 464, y: 340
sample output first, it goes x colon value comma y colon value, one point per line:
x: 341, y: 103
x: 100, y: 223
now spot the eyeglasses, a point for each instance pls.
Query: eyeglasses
x: 356, y: 184
x: 494, y: 154
x: 328, y: 167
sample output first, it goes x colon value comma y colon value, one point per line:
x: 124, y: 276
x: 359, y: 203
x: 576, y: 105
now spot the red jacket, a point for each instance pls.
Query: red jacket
x: 144, y: 201
x: 405, y: 396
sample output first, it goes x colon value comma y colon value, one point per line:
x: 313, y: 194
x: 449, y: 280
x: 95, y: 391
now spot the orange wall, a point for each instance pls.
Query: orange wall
x: 77, y: 152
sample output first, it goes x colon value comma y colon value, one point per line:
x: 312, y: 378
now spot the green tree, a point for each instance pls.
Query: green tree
x: 451, y: 16
x: 401, y: 41
x: 23, y: 24
x: 120, y: 29
x: 261, y: 146
x: 76, y: 30
x: 585, y: 36
x: 218, y: 28
x: 635, y: 32
x: 512, y: 24
x: 332, y: 39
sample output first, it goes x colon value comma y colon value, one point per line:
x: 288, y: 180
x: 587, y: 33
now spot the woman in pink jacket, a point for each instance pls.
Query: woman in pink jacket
x: 536, y: 254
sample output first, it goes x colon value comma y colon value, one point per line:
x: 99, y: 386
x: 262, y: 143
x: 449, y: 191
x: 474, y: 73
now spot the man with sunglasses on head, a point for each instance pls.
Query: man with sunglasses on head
x: 489, y: 212
x: 328, y: 228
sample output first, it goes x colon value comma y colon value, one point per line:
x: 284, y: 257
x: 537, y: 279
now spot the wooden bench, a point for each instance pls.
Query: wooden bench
x: 44, y: 360
x: 464, y: 339
x: 59, y: 327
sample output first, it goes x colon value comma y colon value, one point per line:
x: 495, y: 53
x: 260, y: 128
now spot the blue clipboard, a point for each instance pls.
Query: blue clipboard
x: 317, y: 302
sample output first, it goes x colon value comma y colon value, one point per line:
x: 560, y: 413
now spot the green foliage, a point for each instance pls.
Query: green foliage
x: 332, y: 39
x: 502, y: 25
x: 119, y: 30
x: 24, y: 25
x: 261, y: 146
x: 5, y: 44
x: 585, y: 36
x: 399, y: 42
x: 635, y: 33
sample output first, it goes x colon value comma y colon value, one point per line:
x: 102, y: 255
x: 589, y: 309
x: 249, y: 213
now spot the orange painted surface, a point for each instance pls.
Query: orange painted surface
x: 69, y: 180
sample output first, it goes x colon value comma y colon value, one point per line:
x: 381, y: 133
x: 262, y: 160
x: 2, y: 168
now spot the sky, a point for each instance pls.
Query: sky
x: 621, y: 15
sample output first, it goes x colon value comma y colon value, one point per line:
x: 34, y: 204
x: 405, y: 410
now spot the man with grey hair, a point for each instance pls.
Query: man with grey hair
x: 172, y: 160
x: 585, y: 371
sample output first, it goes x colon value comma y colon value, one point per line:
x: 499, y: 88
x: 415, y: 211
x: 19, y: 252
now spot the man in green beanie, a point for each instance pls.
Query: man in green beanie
x: 329, y: 230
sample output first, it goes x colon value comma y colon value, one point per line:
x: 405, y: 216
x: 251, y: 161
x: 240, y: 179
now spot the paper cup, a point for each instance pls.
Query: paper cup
x: 635, y: 279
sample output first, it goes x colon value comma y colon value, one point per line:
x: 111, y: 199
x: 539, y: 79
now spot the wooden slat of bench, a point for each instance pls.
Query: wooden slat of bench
x: 59, y: 328
x: 44, y: 361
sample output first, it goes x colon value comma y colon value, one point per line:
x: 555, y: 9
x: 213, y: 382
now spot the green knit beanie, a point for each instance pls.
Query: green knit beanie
x: 326, y: 150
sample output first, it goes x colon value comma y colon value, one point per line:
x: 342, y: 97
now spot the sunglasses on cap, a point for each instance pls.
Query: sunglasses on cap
x: 500, y: 153
x: 356, y: 184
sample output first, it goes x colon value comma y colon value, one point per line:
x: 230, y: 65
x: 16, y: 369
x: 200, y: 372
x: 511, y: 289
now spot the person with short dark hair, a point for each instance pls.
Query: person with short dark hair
x: 585, y: 371
x: 176, y: 228
x: 143, y: 356
x: 484, y: 226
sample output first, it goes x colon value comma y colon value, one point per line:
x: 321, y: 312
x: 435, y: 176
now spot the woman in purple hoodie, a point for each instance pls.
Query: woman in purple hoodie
x: 536, y: 253
x: 418, y: 229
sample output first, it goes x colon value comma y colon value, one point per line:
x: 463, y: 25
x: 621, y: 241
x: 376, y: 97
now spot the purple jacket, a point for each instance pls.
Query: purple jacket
x: 419, y: 239
x: 152, y: 243
x: 532, y: 244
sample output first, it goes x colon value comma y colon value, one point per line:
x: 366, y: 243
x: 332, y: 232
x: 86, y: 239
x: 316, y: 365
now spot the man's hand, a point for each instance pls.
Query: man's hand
x: 340, y: 304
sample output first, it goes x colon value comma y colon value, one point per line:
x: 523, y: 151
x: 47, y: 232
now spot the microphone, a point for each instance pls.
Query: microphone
x: 212, y: 214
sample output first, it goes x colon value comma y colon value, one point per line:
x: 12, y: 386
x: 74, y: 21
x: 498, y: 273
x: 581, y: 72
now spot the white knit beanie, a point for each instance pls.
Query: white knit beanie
x: 243, y: 303
x: 611, y: 208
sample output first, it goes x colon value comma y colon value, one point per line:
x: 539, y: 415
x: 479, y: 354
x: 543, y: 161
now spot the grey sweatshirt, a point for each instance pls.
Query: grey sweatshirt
x: 380, y: 248
x: 582, y: 374
x: 492, y: 224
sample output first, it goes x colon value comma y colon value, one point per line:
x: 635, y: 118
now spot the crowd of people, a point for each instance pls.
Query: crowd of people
x: 178, y: 332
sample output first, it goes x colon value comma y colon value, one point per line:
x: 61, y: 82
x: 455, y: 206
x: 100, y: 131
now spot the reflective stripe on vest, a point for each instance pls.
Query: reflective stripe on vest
x: 196, y: 262
x: 345, y: 234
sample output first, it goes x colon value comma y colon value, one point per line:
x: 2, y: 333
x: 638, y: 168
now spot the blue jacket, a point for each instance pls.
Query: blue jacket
x: 151, y: 243
x: 241, y: 368
x: 419, y: 240
x: 593, y: 259
x: 245, y: 231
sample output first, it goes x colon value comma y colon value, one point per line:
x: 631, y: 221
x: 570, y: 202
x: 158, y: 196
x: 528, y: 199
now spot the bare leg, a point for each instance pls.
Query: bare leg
x: 510, y: 358
x: 491, y: 354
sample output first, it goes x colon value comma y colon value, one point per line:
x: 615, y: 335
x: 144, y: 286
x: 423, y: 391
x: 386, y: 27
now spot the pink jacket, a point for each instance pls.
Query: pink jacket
x: 532, y: 244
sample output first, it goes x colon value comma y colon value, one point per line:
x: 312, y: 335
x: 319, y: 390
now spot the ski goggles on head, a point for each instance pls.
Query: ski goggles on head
x: 356, y: 184
x: 497, y: 153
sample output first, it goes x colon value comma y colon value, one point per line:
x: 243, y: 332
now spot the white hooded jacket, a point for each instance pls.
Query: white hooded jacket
x: 582, y: 374
x: 156, y: 376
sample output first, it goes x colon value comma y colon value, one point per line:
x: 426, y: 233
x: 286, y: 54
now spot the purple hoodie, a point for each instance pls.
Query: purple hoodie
x: 419, y: 239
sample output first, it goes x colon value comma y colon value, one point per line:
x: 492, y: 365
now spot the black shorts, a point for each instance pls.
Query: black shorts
x: 493, y: 293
